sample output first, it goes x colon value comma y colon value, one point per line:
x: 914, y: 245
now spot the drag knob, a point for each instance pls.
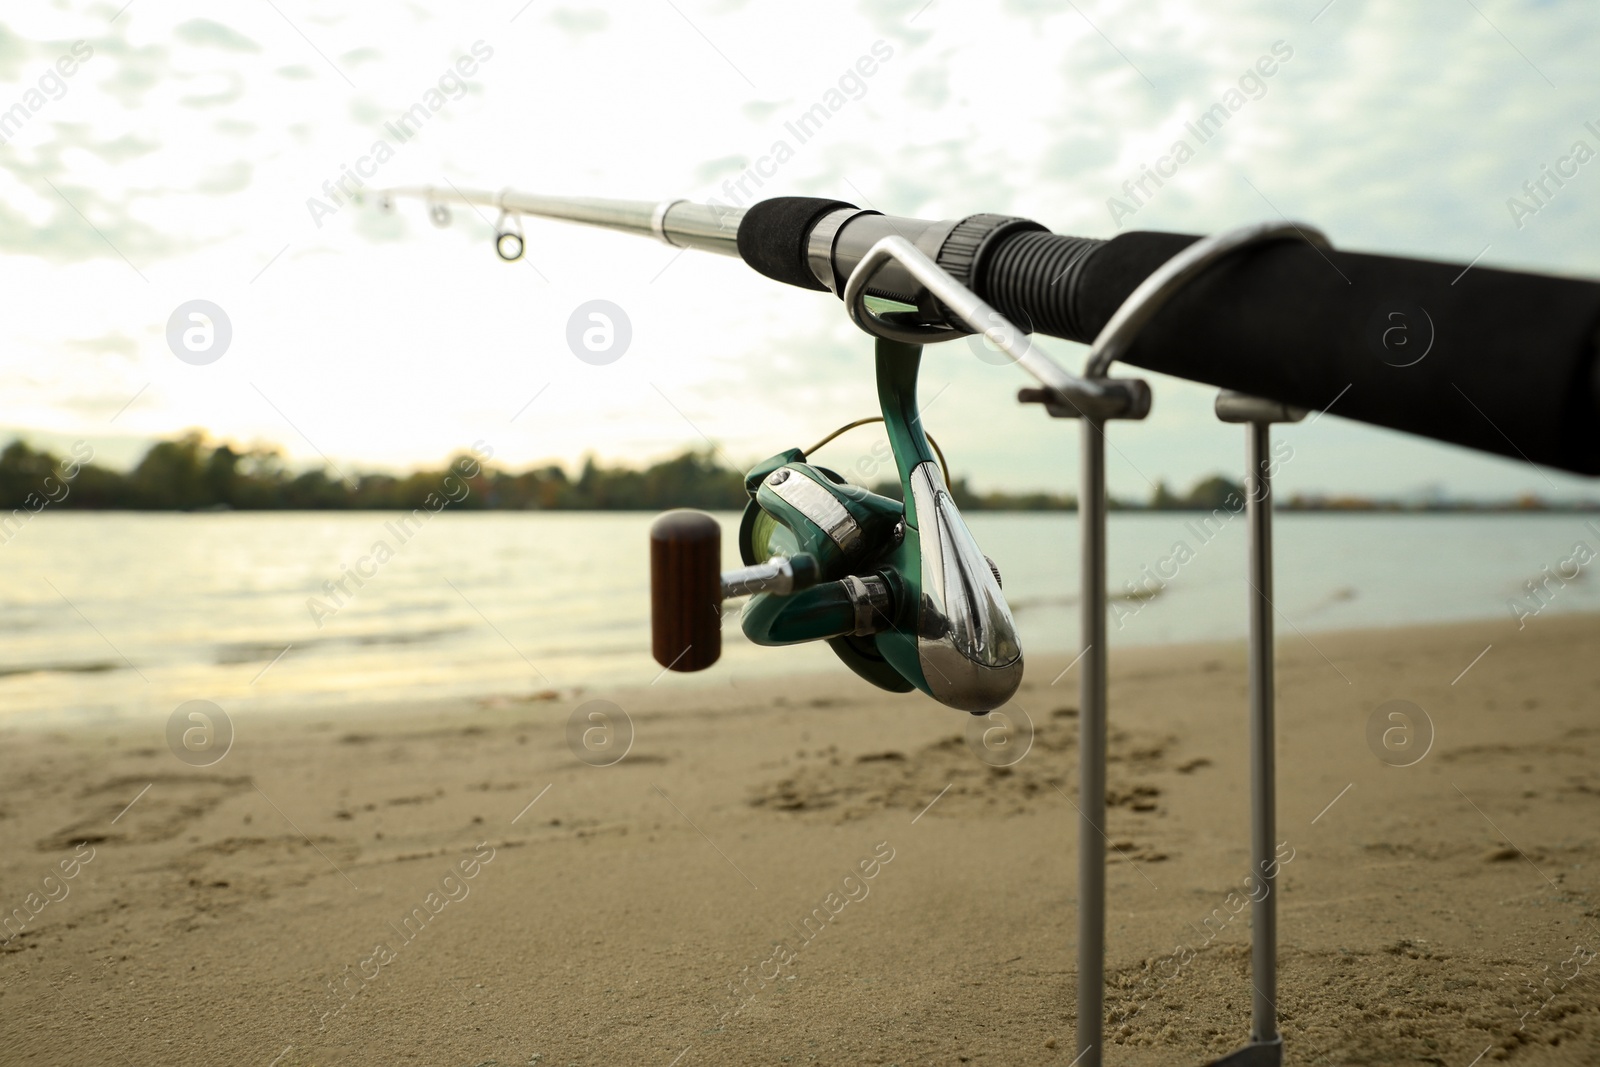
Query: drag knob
x: 685, y: 590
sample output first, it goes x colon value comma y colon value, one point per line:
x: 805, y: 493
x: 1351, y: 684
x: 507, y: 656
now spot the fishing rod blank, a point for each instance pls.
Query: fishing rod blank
x: 1496, y: 360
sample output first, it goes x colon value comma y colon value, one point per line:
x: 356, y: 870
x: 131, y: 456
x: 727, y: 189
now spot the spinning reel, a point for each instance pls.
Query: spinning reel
x: 900, y: 591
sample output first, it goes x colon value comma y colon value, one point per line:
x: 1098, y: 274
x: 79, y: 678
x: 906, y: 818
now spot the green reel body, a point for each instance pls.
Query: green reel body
x: 903, y: 596
x: 783, y: 525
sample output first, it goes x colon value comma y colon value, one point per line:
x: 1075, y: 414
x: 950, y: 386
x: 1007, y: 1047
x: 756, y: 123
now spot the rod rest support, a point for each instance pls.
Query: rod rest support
x: 1236, y: 408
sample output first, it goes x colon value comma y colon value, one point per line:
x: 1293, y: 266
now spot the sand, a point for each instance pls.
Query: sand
x: 808, y: 871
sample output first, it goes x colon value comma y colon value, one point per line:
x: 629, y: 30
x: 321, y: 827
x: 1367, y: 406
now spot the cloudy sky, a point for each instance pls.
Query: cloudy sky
x: 179, y: 158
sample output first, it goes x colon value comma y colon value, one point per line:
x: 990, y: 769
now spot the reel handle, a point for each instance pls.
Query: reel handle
x: 685, y: 590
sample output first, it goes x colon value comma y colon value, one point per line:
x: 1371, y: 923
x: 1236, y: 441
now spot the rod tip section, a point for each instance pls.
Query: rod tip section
x: 685, y: 590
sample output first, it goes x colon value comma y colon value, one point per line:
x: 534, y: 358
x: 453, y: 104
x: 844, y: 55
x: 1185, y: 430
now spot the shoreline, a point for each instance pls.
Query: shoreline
x: 695, y: 899
x: 831, y: 671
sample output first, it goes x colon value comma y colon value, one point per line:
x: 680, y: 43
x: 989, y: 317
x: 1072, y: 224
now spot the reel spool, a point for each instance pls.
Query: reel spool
x: 898, y: 589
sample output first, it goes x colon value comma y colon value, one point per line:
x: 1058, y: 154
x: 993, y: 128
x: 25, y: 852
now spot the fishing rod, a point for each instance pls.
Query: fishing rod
x: 1495, y: 360
x: 1500, y: 361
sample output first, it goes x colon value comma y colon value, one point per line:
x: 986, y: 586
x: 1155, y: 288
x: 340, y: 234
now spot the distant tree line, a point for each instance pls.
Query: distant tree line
x: 191, y: 474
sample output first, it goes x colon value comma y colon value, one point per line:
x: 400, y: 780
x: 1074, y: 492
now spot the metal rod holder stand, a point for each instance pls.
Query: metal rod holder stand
x: 1092, y: 728
x: 1114, y: 339
x: 1265, y: 1048
x: 1094, y: 399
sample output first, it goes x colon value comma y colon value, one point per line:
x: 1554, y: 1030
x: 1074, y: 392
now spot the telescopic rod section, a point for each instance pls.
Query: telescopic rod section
x: 1496, y: 360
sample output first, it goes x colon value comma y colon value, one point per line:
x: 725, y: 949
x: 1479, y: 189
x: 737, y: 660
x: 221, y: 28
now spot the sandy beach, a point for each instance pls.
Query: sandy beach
x: 809, y: 871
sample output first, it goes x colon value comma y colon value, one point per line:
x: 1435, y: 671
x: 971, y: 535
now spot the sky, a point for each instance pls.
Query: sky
x: 190, y: 154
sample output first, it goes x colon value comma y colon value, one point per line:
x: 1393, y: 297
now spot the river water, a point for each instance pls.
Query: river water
x: 111, y: 615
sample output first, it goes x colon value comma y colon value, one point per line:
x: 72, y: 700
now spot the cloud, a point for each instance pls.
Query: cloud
x: 579, y: 23
x: 760, y: 111
x: 232, y: 178
x: 367, y: 112
x: 125, y: 148
x: 907, y: 21
x: 205, y: 33
x: 1038, y: 7
x: 229, y: 93
x: 52, y: 214
x: 116, y: 342
x: 929, y: 87
x: 14, y: 52
x: 712, y: 170
x: 382, y: 226
x: 135, y: 70
x: 70, y: 237
x: 357, y: 56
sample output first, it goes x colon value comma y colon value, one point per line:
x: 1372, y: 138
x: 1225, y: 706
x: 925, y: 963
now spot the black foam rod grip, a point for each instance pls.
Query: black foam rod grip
x: 773, y: 237
x: 1496, y: 360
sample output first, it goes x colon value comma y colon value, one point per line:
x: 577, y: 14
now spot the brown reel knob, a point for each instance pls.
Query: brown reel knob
x: 686, y: 590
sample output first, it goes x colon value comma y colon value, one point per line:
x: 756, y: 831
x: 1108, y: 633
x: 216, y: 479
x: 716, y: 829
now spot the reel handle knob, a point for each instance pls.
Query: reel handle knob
x: 685, y: 590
